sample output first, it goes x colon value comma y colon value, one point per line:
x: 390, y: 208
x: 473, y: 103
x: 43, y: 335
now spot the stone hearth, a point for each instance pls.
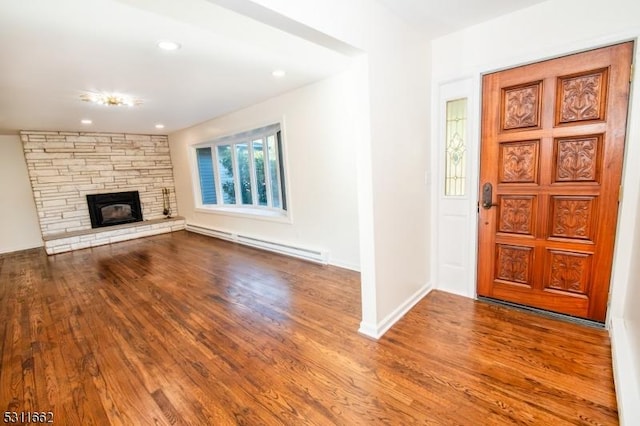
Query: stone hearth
x: 99, y: 236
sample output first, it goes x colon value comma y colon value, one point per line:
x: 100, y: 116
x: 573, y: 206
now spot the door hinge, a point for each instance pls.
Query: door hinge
x: 620, y: 194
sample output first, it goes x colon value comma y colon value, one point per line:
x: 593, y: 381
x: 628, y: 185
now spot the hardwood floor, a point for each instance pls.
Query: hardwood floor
x: 186, y: 329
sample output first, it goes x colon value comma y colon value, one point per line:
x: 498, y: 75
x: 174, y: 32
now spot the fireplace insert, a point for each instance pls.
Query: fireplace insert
x: 114, y: 208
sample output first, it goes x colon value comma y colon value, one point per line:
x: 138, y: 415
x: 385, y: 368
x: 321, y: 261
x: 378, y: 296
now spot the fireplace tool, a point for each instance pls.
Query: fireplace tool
x: 166, y: 202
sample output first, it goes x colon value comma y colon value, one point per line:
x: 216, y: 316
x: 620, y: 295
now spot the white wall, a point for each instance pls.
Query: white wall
x: 399, y: 80
x: 393, y: 153
x: 550, y: 29
x: 626, y: 337
x: 318, y: 136
x: 19, y: 228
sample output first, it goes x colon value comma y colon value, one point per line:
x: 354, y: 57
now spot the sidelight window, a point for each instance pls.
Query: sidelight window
x: 456, y: 148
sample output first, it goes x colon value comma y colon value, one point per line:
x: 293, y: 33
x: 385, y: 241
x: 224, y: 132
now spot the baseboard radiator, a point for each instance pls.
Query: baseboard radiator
x: 316, y: 256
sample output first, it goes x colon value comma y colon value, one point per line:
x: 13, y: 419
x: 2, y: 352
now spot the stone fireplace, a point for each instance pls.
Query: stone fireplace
x: 67, y: 167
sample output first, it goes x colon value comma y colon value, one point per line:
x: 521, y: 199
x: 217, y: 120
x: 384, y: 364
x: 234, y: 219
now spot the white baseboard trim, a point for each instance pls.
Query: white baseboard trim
x: 368, y: 330
x: 626, y: 378
x: 20, y: 247
x: 344, y: 265
x: 376, y: 331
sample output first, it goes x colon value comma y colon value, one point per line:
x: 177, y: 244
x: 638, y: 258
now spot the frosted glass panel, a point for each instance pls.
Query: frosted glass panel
x: 456, y: 152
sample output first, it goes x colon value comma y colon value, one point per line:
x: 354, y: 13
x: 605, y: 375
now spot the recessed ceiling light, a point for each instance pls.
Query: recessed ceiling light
x: 86, y: 121
x: 168, y: 45
x: 278, y: 73
x: 159, y: 126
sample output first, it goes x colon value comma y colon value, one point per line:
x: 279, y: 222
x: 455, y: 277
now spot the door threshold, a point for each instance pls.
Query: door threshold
x: 542, y: 312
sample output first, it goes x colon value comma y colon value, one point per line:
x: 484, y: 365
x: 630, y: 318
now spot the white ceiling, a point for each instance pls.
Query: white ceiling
x: 54, y: 51
x: 438, y: 17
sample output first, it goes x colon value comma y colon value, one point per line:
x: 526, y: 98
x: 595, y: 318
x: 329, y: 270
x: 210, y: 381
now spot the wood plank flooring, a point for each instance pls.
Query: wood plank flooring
x: 184, y: 329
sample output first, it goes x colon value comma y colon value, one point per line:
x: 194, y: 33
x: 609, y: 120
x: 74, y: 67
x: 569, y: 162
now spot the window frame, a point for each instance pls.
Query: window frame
x: 255, y: 210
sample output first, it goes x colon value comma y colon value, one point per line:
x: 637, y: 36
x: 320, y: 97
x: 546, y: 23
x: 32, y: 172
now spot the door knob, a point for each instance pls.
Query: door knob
x: 487, y: 196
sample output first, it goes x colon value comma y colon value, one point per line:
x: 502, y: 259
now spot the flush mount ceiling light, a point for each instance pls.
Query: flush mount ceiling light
x: 110, y: 99
x: 278, y: 73
x: 86, y: 121
x: 159, y: 126
x: 168, y: 45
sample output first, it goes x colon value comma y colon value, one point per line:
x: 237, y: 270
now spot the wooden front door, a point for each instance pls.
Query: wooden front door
x: 551, y: 163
